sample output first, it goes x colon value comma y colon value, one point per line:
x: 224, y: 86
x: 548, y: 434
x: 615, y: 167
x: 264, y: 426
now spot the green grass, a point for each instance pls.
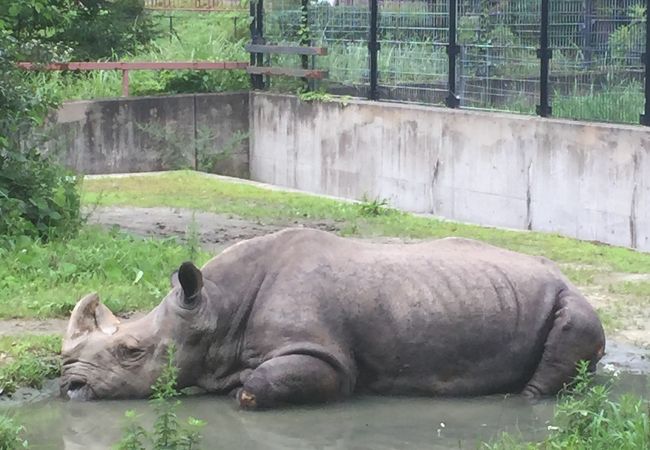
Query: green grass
x: 46, y: 280
x: 190, y: 190
x: 27, y: 360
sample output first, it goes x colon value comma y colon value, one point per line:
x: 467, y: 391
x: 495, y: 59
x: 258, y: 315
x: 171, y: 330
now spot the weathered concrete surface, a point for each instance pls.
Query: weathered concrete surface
x: 590, y: 181
x: 206, y: 131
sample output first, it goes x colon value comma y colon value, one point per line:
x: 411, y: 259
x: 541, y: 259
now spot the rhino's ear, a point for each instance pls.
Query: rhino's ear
x: 91, y: 315
x: 173, y: 279
x: 191, y: 280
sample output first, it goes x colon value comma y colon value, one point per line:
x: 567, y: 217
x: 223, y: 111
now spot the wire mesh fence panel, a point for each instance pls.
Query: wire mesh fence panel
x: 412, y: 58
x: 596, y: 69
x: 498, y: 66
x: 282, y: 25
x: 344, y: 30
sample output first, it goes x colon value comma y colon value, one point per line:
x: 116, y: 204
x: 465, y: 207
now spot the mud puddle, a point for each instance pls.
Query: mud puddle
x: 360, y: 423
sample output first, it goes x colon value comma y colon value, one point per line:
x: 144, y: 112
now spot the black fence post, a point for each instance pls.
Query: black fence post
x: 645, y: 117
x: 373, y: 48
x: 544, y: 53
x: 305, y: 38
x: 453, y: 49
x: 256, y: 10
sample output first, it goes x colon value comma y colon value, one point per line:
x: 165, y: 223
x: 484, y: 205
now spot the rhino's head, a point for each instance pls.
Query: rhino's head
x: 103, y: 358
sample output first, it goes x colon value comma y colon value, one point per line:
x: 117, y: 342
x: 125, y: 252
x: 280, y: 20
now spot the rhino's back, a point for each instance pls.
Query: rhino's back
x: 446, y: 316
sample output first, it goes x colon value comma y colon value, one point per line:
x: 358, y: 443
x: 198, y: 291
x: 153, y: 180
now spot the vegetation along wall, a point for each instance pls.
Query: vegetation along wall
x: 584, y: 180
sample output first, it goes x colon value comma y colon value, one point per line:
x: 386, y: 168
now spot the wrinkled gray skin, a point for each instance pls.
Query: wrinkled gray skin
x: 305, y: 316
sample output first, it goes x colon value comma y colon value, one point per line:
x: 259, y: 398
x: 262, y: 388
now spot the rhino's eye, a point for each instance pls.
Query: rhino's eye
x: 127, y: 352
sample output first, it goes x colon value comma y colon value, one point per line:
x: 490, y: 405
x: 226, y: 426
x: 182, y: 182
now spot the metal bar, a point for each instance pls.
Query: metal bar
x: 125, y: 83
x: 304, y: 37
x: 286, y: 49
x: 299, y: 73
x: 259, y: 26
x: 253, y: 31
x: 144, y: 65
x: 645, y: 117
x: 544, y: 53
x: 373, y: 48
x: 453, y: 49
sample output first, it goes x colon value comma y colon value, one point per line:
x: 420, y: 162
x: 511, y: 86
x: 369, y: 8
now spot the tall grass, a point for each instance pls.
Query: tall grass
x: 622, y: 103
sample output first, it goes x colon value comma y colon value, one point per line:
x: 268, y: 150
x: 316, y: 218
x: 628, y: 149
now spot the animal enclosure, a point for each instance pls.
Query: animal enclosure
x: 578, y: 59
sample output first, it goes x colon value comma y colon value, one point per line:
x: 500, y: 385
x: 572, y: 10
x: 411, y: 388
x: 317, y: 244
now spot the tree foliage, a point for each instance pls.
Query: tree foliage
x: 91, y: 29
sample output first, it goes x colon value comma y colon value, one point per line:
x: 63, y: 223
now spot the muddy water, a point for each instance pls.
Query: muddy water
x: 360, y: 423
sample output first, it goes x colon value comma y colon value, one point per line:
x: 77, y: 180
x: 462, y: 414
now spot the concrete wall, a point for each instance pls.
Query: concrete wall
x: 209, y: 131
x: 590, y: 181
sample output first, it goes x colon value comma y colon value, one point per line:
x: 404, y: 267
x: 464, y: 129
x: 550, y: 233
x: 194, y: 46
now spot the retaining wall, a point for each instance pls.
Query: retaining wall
x: 207, y: 131
x: 584, y: 180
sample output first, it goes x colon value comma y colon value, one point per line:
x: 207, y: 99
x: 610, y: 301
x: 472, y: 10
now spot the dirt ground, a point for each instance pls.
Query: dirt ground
x: 627, y: 348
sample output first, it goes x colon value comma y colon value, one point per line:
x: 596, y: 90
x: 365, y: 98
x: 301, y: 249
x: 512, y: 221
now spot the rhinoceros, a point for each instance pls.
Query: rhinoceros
x: 305, y: 316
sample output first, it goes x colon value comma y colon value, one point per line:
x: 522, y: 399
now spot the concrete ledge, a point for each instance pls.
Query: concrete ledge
x: 584, y: 180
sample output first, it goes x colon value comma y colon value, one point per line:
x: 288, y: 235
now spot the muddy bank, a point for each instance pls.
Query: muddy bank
x: 215, y: 231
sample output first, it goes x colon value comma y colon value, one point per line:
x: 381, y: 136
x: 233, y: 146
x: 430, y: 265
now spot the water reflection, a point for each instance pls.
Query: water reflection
x: 362, y: 423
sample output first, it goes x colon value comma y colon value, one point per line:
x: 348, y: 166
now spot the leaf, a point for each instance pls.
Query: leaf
x: 138, y: 276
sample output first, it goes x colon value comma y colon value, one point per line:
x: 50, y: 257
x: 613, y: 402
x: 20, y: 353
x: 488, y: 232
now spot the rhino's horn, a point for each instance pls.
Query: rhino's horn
x: 90, y: 315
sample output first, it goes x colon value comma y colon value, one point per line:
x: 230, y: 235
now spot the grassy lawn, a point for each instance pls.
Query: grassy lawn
x: 186, y: 189
x: 46, y: 280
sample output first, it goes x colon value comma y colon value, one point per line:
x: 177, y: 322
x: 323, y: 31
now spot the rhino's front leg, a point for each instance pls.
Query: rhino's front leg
x: 290, y: 379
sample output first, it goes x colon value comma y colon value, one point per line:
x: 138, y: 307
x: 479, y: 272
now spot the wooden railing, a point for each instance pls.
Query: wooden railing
x: 125, y: 67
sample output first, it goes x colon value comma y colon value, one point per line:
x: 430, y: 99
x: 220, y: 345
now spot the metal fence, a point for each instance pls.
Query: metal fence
x: 581, y: 59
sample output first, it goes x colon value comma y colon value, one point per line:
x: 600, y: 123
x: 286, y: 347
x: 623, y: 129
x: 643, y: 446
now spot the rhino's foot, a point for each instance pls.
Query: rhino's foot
x: 246, y: 400
x: 289, y: 379
x: 576, y: 335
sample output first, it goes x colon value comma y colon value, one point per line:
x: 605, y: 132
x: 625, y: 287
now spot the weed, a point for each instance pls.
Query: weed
x: 322, y: 96
x: 167, y: 433
x: 11, y: 434
x: 28, y: 361
x: 193, y: 239
x: 374, y: 208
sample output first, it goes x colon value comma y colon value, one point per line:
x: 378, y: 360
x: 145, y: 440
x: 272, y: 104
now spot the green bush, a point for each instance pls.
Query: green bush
x: 11, y: 434
x: 92, y: 29
x: 38, y: 199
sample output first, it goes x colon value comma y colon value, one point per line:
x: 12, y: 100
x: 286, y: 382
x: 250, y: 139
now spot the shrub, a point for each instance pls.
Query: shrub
x: 38, y: 199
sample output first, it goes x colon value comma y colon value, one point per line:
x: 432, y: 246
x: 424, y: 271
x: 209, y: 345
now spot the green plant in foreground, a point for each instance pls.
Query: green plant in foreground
x: 587, y: 417
x: 11, y: 434
x: 168, y: 433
